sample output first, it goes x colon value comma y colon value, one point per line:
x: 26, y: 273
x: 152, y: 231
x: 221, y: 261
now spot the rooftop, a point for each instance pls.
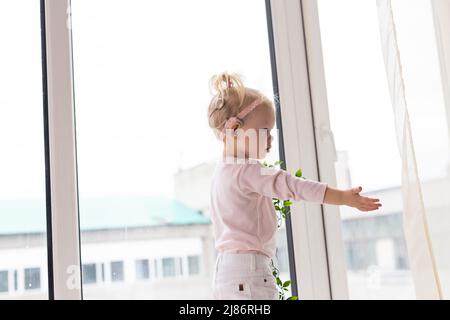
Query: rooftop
x: 28, y: 216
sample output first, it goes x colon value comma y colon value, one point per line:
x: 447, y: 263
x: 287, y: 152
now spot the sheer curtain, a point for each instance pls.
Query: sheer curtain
x: 415, y: 36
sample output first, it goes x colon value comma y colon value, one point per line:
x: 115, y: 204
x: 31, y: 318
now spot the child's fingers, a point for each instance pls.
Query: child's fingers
x: 366, y: 209
x: 369, y: 203
x: 369, y: 200
x: 370, y: 207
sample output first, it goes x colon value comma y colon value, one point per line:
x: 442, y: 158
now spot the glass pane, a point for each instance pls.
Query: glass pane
x: 89, y: 273
x: 362, y: 122
x: 23, y: 248
x: 116, y: 271
x: 32, y: 278
x: 194, y: 265
x: 4, y: 283
x: 142, y: 269
x: 168, y: 267
x: 145, y: 151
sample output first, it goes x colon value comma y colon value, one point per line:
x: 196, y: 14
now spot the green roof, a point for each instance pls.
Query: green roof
x: 28, y: 216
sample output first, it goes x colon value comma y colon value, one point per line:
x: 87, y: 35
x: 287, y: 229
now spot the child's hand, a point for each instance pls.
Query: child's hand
x: 352, y: 198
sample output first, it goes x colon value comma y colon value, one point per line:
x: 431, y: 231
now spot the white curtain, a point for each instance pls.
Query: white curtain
x: 415, y: 36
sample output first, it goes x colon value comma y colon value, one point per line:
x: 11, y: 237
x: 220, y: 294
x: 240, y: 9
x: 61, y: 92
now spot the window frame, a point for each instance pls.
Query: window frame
x: 318, y: 246
x: 326, y: 149
x: 315, y: 245
x: 63, y: 239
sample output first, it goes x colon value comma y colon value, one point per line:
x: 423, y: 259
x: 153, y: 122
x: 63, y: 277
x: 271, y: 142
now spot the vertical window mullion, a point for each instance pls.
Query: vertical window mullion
x: 279, y: 125
x: 62, y: 207
x: 326, y: 150
x: 308, y: 243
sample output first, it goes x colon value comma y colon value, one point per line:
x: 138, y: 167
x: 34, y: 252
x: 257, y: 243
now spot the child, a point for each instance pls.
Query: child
x: 243, y: 218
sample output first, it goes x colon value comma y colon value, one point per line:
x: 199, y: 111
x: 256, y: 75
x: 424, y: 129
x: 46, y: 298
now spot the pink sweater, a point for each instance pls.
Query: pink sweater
x: 242, y: 213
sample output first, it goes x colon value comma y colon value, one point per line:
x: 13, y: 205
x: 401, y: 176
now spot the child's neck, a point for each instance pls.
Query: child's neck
x: 232, y: 158
x: 234, y: 155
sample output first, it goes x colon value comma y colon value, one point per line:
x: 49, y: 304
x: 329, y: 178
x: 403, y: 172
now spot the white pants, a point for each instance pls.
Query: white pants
x: 244, y: 276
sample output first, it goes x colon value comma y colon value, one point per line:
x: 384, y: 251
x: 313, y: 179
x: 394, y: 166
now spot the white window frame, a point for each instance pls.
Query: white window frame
x: 309, y: 144
x: 326, y: 150
x: 316, y: 230
x: 64, y: 240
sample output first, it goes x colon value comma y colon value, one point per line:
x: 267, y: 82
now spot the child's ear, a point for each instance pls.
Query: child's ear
x: 233, y: 123
x: 236, y: 127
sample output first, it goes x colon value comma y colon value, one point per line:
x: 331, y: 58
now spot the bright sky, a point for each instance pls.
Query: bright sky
x: 359, y: 102
x: 21, y: 125
x: 141, y: 87
x: 141, y: 81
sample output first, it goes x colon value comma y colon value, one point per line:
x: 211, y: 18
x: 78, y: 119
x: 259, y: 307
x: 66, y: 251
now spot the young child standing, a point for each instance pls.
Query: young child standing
x: 243, y: 217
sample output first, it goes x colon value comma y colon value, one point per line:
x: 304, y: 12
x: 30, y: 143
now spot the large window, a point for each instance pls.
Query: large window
x: 22, y: 181
x: 145, y: 152
x: 362, y: 122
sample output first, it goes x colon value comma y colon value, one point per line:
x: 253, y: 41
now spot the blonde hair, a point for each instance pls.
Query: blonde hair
x: 230, y: 97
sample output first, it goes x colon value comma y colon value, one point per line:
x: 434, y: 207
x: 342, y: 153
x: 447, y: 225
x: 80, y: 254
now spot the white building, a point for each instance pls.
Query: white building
x: 132, y: 248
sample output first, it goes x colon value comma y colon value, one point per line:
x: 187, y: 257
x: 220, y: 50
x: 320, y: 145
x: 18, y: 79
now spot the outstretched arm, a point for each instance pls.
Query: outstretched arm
x: 351, y: 198
x: 280, y: 184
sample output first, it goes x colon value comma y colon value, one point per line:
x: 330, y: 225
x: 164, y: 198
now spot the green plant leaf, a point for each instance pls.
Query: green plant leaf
x: 287, y: 203
x: 298, y: 173
x: 279, y: 282
x: 293, y: 298
x: 286, y: 283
